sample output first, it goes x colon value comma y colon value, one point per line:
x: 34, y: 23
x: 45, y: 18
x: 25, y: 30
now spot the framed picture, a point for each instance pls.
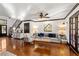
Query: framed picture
x: 48, y: 28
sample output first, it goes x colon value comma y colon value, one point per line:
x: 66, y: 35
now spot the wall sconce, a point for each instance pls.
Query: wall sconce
x: 62, y: 29
x: 35, y: 29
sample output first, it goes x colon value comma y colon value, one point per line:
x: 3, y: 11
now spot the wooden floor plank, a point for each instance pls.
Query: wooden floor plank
x: 37, y: 49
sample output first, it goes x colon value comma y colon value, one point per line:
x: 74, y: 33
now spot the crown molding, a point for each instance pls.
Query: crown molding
x: 44, y: 20
x: 71, y: 10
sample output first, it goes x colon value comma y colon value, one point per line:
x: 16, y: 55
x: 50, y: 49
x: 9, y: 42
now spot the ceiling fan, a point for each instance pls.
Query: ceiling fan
x: 43, y: 15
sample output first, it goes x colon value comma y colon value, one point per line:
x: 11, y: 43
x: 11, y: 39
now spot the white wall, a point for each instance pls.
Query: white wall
x: 3, y: 17
x: 67, y: 21
x: 2, y: 22
x: 40, y: 26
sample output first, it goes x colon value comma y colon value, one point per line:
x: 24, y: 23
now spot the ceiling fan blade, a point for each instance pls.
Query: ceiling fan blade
x: 41, y: 15
x: 46, y: 14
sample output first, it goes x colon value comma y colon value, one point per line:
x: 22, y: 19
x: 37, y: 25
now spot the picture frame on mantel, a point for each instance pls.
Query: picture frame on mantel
x: 48, y: 28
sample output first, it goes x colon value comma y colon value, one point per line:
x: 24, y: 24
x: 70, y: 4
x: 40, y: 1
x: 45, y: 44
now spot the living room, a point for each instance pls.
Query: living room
x: 37, y: 27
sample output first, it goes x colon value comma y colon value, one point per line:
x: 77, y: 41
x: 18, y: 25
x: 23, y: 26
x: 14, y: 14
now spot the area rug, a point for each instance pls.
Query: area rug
x: 6, y: 53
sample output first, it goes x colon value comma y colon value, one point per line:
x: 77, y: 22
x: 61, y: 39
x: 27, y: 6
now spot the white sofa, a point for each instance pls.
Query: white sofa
x: 46, y: 38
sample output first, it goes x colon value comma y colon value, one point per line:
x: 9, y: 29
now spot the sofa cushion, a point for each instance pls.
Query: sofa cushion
x: 41, y: 34
x: 53, y: 35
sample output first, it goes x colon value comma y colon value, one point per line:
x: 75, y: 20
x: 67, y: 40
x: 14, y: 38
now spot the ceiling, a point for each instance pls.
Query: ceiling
x: 28, y: 11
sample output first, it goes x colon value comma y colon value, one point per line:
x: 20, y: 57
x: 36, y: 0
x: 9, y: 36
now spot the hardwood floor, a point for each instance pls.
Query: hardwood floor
x: 37, y: 49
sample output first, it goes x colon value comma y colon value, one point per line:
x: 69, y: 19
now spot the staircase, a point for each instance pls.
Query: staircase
x: 15, y: 25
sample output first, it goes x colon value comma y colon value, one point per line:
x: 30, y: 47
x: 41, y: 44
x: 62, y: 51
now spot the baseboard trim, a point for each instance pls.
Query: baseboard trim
x: 47, y: 41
